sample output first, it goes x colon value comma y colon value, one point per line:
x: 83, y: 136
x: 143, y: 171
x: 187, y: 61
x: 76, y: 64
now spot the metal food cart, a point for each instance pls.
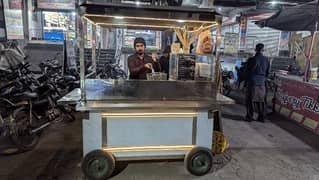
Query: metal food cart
x: 146, y: 120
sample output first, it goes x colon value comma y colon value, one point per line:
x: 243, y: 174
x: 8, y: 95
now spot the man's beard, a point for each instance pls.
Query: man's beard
x: 140, y: 52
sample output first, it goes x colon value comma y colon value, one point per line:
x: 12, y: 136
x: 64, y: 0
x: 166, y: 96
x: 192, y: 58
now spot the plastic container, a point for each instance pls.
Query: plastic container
x: 156, y: 76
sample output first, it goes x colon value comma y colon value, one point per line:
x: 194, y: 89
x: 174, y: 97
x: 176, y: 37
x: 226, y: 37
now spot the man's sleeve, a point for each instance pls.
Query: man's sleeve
x: 161, y: 64
x: 157, y: 66
x: 134, y: 70
x: 249, y: 66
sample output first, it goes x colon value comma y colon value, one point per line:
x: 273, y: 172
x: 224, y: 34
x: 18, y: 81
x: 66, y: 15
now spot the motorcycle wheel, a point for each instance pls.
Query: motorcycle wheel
x: 102, y: 76
x: 226, y: 91
x: 226, y: 88
x: 21, y: 134
x: 122, y: 74
x: 68, y: 117
x: 67, y: 113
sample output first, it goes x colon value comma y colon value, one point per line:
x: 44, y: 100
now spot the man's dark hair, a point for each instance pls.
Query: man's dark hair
x: 259, y: 47
x: 139, y: 40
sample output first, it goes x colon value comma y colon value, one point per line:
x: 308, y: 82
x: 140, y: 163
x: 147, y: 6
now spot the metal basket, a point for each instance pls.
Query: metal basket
x: 156, y: 76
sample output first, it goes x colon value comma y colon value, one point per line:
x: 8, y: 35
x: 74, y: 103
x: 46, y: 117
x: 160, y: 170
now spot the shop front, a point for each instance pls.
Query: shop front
x: 298, y: 89
x: 39, y: 20
x: 56, y: 20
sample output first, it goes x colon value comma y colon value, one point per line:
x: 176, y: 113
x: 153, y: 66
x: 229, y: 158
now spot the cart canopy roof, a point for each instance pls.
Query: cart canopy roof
x: 146, y: 17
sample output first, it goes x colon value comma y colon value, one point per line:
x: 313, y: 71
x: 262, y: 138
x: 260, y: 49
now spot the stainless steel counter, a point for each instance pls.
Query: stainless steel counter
x: 97, y: 89
x: 146, y: 95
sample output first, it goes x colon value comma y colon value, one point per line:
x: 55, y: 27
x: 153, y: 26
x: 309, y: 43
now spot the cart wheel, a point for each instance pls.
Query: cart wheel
x: 199, y: 161
x: 98, y: 165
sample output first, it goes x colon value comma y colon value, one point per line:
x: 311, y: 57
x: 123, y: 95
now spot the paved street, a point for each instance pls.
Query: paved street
x: 279, y: 150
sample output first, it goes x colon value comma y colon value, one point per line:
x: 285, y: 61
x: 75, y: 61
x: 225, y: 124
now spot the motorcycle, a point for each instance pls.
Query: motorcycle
x: 227, y: 76
x: 15, y: 120
x: 65, y: 83
x: 29, y: 106
x: 111, y: 71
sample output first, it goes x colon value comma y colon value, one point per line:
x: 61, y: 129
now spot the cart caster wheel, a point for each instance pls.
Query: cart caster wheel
x: 98, y: 165
x: 199, y: 161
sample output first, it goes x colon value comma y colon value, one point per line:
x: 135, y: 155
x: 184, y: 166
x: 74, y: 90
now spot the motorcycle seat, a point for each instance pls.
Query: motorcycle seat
x: 69, y: 78
x: 26, y: 95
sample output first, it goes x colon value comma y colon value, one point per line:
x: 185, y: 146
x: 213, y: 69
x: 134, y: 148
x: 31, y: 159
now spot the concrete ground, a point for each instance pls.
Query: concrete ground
x: 276, y: 150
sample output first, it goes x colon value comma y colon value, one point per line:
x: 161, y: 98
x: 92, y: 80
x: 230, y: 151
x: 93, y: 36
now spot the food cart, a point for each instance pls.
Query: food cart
x: 133, y: 120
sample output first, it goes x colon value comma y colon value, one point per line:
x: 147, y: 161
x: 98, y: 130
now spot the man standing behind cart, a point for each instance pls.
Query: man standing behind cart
x: 140, y: 64
x: 164, y: 61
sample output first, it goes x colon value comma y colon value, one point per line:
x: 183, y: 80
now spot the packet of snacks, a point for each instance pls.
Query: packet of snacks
x: 205, y: 43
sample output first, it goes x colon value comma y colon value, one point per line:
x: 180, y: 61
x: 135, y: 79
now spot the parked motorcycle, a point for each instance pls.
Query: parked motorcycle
x: 64, y: 83
x: 227, y: 76
x: 28, y: 106
x: 111, y: 71
x: 15, y: 118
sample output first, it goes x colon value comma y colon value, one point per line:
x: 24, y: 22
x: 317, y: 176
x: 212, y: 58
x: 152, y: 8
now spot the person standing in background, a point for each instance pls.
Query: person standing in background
x: 156, y: 64
x: 257, y: 71
x: 164, y: 60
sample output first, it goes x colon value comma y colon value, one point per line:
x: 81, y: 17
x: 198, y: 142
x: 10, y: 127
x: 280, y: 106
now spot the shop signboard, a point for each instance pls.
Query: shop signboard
x: 284, y: 41
x: 15, y: 4
x: 231, y: 43
x: 243, y: 31
x: 14, y: 25
x: 298, y: 101
x: 152, y: 38
x: 57, y: 4
x: 54, y: 36
x: 186, y: 67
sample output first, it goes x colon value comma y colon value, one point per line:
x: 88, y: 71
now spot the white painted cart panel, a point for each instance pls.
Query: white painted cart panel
x: 148, y: 131
x: 129, y: 137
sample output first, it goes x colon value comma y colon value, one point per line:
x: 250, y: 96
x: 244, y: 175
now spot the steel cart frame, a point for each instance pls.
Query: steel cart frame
x: 135, y: 124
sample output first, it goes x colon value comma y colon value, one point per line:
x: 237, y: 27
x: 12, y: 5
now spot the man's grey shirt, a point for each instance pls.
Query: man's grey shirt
x: 259, y: 69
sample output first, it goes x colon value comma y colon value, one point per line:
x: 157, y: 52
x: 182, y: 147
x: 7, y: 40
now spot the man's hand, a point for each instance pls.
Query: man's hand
x: 154, y: 56
x: 148, y: 65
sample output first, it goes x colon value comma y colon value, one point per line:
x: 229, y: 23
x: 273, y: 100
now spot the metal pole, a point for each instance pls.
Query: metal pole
x: 94, y: 48
x: 308, y: 64
x: 4, y: 22
x: 315, y: 32
x: 218, y: 35
x: 218, y: 63
x: 80, y: 37
x: 25, y: 19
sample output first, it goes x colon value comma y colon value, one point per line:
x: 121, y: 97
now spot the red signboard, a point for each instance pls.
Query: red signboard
x: 243, y: 32
x: 15, y: 4
x: 57, y: 4
x: 299, y: 101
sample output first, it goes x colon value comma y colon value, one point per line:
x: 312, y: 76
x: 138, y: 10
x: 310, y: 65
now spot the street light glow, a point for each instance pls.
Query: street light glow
x: 119, y: 17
